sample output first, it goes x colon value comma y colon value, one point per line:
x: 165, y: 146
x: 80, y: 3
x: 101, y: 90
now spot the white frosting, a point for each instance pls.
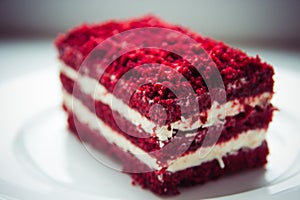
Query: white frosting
x: 85, y: 116
x: 91, y: 87
x: 236, y: 84
x: 249, y: 139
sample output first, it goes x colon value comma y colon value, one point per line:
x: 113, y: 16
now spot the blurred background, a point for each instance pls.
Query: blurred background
x: 262, y: 21
x: 29, y: 27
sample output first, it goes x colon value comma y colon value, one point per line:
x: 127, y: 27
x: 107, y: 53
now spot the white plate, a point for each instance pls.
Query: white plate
x: 39, y: 159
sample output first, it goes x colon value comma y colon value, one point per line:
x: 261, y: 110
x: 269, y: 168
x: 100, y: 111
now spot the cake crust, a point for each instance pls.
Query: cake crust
x: 250, y: 75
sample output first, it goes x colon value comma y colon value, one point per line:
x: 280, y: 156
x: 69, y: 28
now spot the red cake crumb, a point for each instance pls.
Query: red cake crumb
x: 232, y: 64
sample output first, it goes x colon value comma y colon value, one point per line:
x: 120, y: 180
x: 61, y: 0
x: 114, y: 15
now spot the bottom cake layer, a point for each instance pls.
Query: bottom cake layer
x: 166, y: 183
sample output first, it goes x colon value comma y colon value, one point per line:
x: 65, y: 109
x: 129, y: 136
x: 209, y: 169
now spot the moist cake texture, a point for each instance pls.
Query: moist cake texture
x: 171, y: 141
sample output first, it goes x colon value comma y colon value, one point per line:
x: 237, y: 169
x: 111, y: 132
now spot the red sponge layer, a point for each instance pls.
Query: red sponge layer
x: 251, y: 118
x: 243, y: 160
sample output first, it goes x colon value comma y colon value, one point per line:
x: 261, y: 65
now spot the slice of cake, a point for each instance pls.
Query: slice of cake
x: 177, y: 109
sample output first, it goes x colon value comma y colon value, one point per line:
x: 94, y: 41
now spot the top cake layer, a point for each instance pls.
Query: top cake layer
x: 242, y: 76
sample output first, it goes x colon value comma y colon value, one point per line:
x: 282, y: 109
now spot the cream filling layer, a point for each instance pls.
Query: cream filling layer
x: 218, y: 112
x: 249, y: 139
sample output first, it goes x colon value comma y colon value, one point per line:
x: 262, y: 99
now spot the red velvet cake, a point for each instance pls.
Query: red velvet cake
x: 191, y: 111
